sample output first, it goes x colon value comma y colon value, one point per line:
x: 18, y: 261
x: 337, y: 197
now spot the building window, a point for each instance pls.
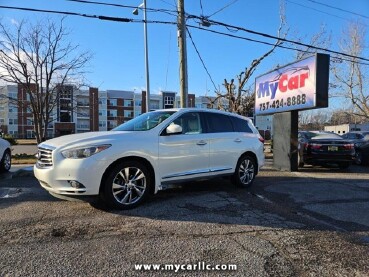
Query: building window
x: 128, y: 114
x: 138, y: 103
x: 2, y: 121
x: 112, y: 113
x: 102, y: 101
x: 65, y: 104
x: 127, y: 103
x: 112, y: 102
x: 65, y: 116
x: 30, y: 134
x: 65, y: 93
x: 29, y: 121
x: 13, y: 95
x: 14, y: 134
x: 112, y: 124
x: 102, y: 123
x: 102, y: 112
x: 168, y: 101
x: 13, y: 121
x: 13, y: 109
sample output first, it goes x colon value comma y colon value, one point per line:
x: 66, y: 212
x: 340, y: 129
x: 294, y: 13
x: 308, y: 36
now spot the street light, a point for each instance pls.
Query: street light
x: 135, y: 12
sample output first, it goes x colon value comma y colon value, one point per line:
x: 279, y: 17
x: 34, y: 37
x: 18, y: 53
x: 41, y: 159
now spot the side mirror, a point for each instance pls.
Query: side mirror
x: 173, y: 129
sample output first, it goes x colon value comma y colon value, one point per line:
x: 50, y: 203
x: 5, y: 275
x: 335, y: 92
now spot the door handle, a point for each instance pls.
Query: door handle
x: 237, y: 140
x: 201, y: 142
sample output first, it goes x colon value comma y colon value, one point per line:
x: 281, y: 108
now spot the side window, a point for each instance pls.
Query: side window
x: 190, y: 123
x: 241, y: 125
x: 218, y: 123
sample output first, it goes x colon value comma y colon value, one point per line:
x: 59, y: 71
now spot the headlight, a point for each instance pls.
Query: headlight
x: 84, y: 152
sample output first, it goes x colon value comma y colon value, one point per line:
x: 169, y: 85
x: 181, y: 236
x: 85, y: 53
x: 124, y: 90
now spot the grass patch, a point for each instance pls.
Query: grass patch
x: 23, y: 159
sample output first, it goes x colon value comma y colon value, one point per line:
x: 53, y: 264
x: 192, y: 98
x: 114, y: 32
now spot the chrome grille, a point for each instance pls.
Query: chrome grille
x: 44, y: 157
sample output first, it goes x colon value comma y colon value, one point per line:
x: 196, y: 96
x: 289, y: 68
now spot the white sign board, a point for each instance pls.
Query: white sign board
x: 292, y: 87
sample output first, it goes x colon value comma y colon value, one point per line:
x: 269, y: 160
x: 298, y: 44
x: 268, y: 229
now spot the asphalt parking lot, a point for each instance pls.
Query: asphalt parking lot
x: 308, y: 223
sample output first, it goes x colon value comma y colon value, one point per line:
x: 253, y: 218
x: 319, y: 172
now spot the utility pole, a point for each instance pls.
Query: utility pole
x: 181, y: 24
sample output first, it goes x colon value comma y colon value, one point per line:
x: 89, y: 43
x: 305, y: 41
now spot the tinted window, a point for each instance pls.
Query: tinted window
x: 240, y: 125
x: 218, y: 123
x: 190, y: 123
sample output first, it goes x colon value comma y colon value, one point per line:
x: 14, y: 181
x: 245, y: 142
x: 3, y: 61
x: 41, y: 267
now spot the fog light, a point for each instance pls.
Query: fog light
x: 76, y: 185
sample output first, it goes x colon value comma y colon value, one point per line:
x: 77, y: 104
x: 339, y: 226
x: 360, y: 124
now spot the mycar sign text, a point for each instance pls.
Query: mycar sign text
x: 298, y: 86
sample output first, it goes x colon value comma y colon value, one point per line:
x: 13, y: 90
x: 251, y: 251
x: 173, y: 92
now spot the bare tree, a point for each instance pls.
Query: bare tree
x: 314, y: 119
x: 39, y: 58
x: 321, y: 39
x: 236, y: 98
x: 350, y: 76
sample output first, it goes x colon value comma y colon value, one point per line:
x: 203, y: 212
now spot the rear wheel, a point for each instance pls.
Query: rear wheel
x: 245, y: 172
x: 127, y: 185
x: 6, y: 161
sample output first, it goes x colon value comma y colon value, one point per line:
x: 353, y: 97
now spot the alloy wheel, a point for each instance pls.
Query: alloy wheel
x: 246, y: 171
x: 129, y: 185
x: 7, y: 161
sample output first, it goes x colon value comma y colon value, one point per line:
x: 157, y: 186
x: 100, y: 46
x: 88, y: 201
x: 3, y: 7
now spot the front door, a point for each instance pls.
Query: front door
x: 185, y: 155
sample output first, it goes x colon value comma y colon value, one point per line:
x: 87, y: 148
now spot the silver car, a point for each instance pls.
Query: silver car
x: 5, y: 154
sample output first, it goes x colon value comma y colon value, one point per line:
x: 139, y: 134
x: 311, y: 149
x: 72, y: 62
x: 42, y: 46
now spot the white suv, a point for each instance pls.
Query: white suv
x: 139, y: 157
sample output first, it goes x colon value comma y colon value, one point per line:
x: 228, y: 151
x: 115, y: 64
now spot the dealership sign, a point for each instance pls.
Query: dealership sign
x: 299, y: 86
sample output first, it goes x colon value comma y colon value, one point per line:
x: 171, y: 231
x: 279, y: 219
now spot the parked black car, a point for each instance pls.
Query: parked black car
x: 361, y: 143
x: 323, y: 148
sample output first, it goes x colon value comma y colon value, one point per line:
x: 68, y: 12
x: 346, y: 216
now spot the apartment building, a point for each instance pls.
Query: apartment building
x: 79, y: 110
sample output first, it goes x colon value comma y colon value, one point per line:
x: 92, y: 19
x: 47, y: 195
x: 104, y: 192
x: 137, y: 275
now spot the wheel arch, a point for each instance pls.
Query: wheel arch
x: 130, y: 158
x: 252, y: 155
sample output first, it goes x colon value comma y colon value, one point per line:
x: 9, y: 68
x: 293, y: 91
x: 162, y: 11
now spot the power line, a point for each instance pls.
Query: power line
x: 339, y: 9
x: 127, y: 20
x: 202, y: 61
x: 268, y: 43
x: 301, y: 5
x: 202, y: 10
x: 170, y: 12
x: 226, y: 6
x: 101, y: 17
x: 281, y: 39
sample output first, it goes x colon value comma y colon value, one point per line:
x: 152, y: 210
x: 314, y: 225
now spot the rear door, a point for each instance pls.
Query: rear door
x: 224, y: 143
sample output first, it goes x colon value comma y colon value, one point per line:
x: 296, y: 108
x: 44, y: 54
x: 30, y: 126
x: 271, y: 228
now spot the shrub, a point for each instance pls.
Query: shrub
x: 11, y: 140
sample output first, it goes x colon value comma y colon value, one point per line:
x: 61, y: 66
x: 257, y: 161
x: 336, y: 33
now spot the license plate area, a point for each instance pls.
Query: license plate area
x: 332, y: 148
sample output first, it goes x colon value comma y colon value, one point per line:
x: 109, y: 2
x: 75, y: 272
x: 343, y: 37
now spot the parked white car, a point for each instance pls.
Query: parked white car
x: 5, y: 154
x: 139, y: 157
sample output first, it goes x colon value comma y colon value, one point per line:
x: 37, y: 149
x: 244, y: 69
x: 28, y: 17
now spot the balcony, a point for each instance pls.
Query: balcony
x: 83, y: 126
x: 83, y: 104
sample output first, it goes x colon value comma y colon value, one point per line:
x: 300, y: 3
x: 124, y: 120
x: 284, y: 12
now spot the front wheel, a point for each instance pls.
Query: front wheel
x: 244, y: 174
x: 127, y: 185
x: 6, y: 161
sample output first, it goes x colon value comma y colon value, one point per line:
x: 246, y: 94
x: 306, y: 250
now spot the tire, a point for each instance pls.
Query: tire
x: 344, y: 165
x: 358, y: 158
x: 244, y: 174
x: 127, y: 185
x: 6, y: 161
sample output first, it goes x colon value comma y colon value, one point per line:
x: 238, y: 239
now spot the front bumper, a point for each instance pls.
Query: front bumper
x: 57, y: 179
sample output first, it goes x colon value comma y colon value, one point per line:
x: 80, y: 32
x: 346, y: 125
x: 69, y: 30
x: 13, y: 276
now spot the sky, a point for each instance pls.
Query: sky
x: 118, y: 48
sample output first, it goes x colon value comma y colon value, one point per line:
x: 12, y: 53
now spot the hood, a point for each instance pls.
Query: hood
x: 77, y: 140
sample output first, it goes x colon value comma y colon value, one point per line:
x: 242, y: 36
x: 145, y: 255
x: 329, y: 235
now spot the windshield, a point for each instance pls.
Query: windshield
x: 145, y: 121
